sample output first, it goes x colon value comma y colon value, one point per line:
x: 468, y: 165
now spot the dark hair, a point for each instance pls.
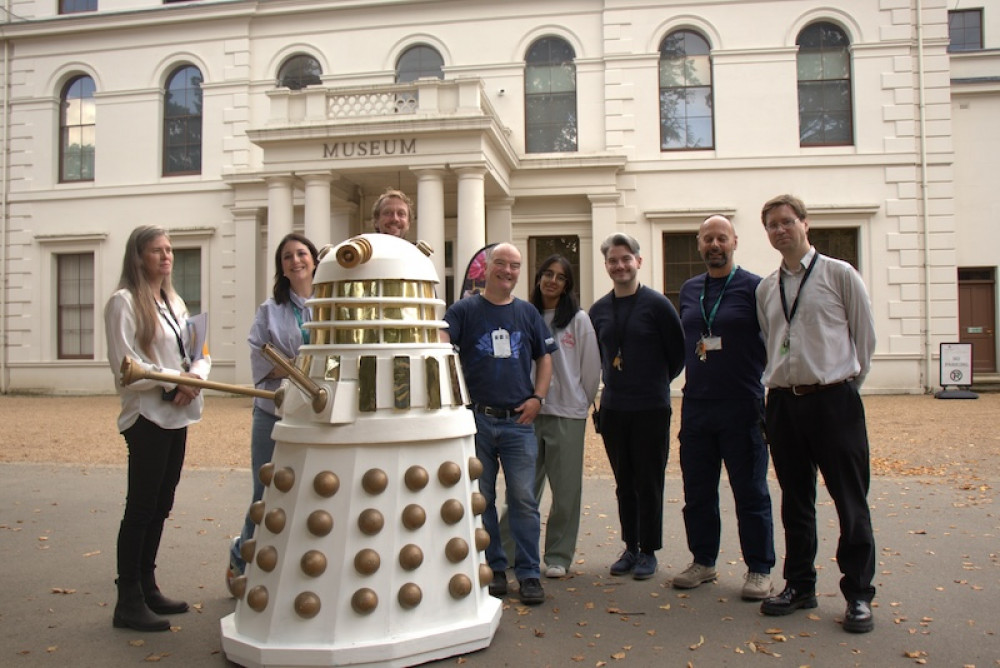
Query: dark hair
x: 619, y: 239
x: 791, y: 201
x: 567, y: 306
x: 282, y: 286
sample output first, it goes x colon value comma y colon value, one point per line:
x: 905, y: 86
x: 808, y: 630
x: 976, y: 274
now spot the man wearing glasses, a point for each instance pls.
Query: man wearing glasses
x: 816, y: 319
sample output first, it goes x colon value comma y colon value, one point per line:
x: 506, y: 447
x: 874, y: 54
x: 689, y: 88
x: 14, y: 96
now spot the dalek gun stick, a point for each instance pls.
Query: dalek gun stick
x: 303, y: 382
x: 131, y: 371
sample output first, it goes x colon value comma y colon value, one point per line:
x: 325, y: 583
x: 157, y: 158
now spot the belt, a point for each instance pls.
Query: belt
x: 502, y: 413
x: 802, y: 390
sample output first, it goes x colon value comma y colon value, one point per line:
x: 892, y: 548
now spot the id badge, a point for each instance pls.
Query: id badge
x: 501, y: 343
x: 712, y: 342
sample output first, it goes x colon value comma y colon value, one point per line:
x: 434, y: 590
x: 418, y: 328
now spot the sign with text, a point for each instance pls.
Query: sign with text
x: 956, y: 364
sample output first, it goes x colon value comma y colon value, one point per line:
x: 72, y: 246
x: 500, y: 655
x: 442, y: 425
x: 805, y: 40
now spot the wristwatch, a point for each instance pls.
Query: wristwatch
x: 541, y: 400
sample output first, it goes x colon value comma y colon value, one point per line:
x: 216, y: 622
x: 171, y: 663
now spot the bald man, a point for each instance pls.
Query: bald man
x: 722, y: 413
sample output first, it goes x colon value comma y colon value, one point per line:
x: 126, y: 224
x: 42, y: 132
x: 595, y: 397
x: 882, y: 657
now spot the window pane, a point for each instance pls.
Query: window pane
x: 824, y: 74
x: 186, y: 277
x: 838, y: 242
x: 540, y: 248
x: 965, y: 30
x: 550, y: 97
x: 182, y: 121
x: 299, y: 72
x: 74, y: 6
x: 680, y: 262
x: 77, y: 130
x: 75, y: 305
x: 418, y: 62
x: 685, y: 92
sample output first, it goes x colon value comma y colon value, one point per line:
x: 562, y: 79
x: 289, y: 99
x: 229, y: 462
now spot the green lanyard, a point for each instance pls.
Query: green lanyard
x: 298, y: 319
x: 709, y: 319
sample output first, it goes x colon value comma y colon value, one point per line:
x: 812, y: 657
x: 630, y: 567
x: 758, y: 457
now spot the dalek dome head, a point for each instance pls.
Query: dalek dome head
x: 376, y: 289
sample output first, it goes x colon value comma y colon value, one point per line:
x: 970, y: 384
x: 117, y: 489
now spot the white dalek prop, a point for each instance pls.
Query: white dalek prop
x: 369, y: 540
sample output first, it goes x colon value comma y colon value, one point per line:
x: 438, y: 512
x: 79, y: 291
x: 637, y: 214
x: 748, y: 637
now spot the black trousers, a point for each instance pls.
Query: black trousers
x: 155, y: 459
x: 826, y: 431
x: 637, y: 445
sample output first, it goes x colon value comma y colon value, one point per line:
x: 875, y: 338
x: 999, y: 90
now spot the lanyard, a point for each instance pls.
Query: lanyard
x: 298, y: 318
x: 795, y: 304
x: 621, y: 327
x: 710, y: 318
x: 175, y: 327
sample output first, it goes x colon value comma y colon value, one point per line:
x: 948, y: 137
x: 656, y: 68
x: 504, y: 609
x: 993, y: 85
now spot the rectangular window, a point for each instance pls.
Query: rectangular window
x: 965, y: 30
x: 838, y: 242
x: 540, y: 248
x: 186, y: 277
x: 75, y: 310
x: 76, y: 6
x: 680, y: 262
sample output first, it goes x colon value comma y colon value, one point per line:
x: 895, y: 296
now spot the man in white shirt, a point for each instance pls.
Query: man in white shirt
x: 816, y: 319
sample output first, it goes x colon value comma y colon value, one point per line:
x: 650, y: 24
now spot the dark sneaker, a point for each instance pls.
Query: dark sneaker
x: 498, y: 588
x: 645, y: 566
x: 531, y: 591
x: 625, y: 563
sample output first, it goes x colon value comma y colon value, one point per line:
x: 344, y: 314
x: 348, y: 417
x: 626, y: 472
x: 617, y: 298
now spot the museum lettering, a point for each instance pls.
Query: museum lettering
x: 375, y: 147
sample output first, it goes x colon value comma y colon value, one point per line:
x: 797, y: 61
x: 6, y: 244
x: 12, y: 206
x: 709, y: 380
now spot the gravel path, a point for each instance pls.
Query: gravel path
x: 911, y: 435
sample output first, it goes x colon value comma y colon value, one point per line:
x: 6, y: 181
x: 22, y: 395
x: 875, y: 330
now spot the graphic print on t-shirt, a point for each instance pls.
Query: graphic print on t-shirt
x: 500, y: 343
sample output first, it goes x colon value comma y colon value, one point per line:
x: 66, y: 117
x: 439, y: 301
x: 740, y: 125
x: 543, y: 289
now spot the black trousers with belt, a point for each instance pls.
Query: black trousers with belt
x: 824, y: 430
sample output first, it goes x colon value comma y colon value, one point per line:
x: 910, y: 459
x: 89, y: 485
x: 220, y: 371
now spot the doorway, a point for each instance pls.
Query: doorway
x: 977, y: 316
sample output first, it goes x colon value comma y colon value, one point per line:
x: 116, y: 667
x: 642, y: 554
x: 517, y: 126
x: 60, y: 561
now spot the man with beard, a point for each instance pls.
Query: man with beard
x: 722, y: 414
x: 642, y: 350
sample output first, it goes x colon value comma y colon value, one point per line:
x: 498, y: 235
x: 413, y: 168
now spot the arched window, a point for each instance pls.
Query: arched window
x: 685, y: 92
x: 298, y: 72
x: 550, y: 97
x: 418, y: 62
x: 182, y: 112
x: 824, y: 73
x: 77, y: 130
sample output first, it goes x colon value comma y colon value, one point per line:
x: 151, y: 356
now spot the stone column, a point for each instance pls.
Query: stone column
x: 317, y: 213
x: 430, y: 216
x: 250, y: 274
x: 280, y: 212
x: 603, y: 212
x: 471, y: 219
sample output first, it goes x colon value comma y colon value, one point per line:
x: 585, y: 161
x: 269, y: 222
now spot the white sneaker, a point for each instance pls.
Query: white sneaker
x: 694, y: 575
x: 555, y: 571
x: 757, y: 586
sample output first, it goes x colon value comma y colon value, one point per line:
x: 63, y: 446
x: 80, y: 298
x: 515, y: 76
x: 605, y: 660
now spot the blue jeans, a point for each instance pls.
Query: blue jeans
x: 501, y: 441
x: 261, y: 452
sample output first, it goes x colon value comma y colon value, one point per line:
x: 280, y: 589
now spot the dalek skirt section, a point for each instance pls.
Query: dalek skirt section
x: 369, y: 542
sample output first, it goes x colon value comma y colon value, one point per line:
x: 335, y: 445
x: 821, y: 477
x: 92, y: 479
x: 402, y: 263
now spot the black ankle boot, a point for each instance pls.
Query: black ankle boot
x: 157, y: 602
x: 131, y: 611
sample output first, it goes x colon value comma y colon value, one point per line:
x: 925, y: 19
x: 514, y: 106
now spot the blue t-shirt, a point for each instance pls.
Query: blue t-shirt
x: 497, y: 345
x: 735, y: 371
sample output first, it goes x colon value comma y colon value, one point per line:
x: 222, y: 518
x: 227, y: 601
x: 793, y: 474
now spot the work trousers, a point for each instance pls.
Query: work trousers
x: 825, y: 431
x: 155, y: 459
x: 728, y: 431
x: 560, y: 459
x: 637, y: 444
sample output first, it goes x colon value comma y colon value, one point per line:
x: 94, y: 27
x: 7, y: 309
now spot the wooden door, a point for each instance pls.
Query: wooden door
x: 977, y: 317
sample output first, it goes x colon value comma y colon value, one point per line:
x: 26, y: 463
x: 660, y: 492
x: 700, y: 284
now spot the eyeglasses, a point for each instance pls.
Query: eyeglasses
x: 552, y: 276
x: 786, y: 223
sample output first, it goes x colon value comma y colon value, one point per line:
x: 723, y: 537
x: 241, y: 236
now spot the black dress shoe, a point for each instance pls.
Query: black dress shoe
x: 788, y: 601
x: 532, y: 592
x: 498, y: 588
x: 858, y: 618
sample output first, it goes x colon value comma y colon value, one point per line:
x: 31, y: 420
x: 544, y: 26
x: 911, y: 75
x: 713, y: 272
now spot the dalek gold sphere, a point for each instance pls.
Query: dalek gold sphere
x: 475, y: 468
x: 274, y: 520
x: 267, y: 558
x: 307, y: 605
x: 364, y: 601
x: 416, y: 478
x: 326, y: 484
x: 238, y: 586
x: 414, y: 516
x: 257, y: 598
x: 256, y: 512
x: 409, y: 596
x: 478, y: 503
x: 247, y: 549
x: 485, y: 575
x: 374, y: 481
x: 284, y: 478
x: 411, y: 557
x: 370, y: 521
x: 449, y: 473
x: 367, y: 561
x: 456, y: 550
x: 319, y: 523
x: 460, y: 585
x: 266, y: 473
x: 313, y: 563
x: 482, y: 539
x: 452, y: 511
